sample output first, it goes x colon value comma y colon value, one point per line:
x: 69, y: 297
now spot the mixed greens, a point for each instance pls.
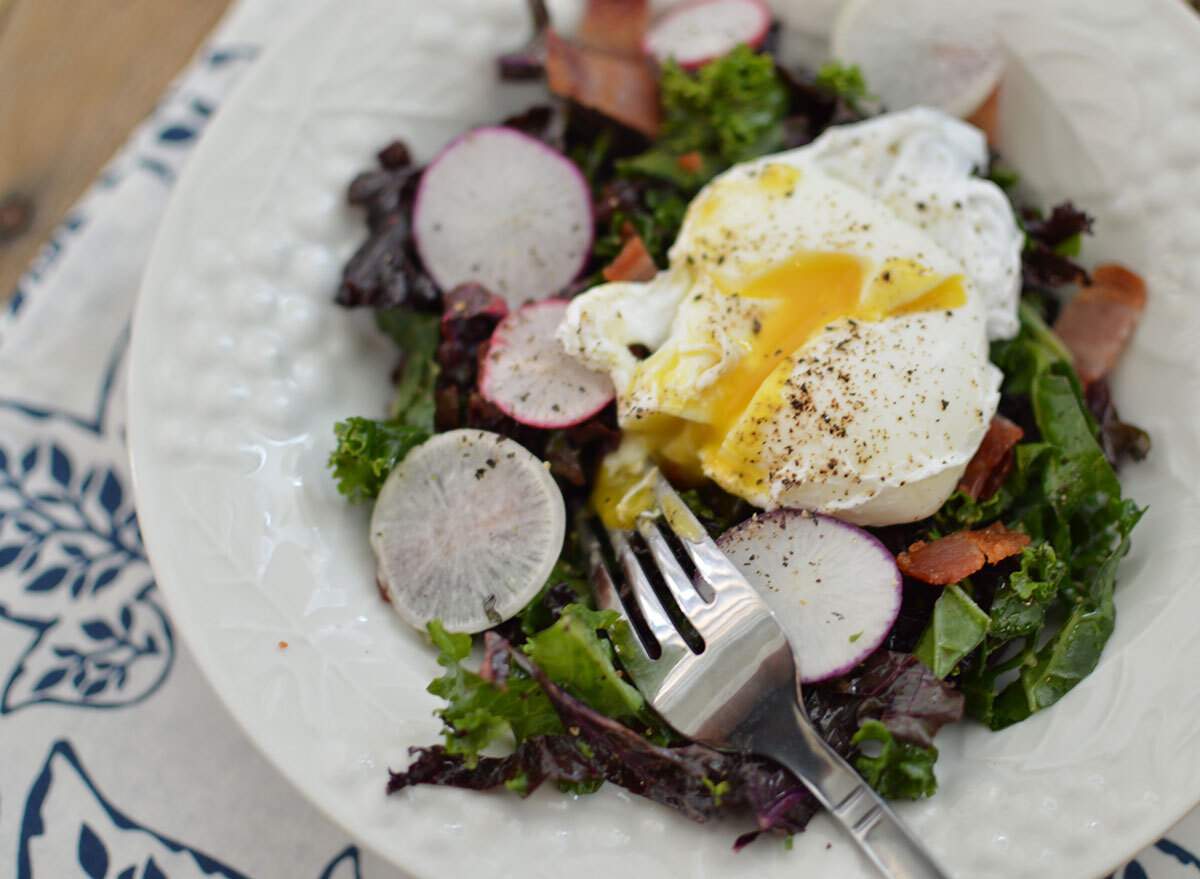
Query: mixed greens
x: 1001, y: 644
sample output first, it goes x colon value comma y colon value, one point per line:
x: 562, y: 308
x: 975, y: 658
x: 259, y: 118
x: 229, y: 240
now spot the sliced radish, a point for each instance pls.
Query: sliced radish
x: 835, y: 589
x: 697, y: 32
x: 530, y: 377
x: 913, y: 52
x: 466, y: 530
x: 501, y: 208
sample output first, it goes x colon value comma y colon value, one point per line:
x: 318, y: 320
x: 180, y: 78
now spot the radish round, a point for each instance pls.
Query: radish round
x: 501, y: 208
x: 835, y: 589
x: 700, y: 31
x: 528, y: 375
x: 914, y: 52
x: 466, y: 530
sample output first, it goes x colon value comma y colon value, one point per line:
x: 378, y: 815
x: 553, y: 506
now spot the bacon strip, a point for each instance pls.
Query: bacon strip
x: 993, y: 459
x: 955, y: 556
x: 619, y: 85
x: 987, y: 116
x: 1097, y: 324
x: 615, y: 25
x: 633, y: 263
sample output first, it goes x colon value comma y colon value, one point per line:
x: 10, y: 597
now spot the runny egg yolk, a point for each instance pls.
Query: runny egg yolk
x: 790, y: 303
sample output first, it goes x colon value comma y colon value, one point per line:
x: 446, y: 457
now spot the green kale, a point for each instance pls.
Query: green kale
x: 1065, y: 495
x: 717, y: 509
x: 963, y: 511
x: 417, y: 336
x: 1068, y: 657
x: 575, y: 657
x: 572, y: 654
x: 1019, y: 606
x: 1006, y: 178
x: 901, y: 770
x: 537, y: 615
x: 727, y: 112
x: 1035, y: 350
x: 845, y: 82
x: 957, y: 627
x: 367, y: 451
x: 479, y: 711
x: 656, y: 220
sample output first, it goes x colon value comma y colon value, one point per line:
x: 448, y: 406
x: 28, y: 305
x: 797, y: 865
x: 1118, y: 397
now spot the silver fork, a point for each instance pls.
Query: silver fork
x: 742, y: 691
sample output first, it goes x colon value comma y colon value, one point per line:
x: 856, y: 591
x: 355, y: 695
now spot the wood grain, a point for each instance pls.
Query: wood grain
x: 75, y: 77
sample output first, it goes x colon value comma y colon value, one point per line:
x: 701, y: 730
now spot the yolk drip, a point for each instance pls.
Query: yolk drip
x: 796, y: 300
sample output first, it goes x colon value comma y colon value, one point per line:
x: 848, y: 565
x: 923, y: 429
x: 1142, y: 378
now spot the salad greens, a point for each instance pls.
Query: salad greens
x: 844, y: 81
x: 416, y: 335
x: 1006, y: 642
x: 729, y: 111
x: 368, y: 449
x: 1064, y: 493
x: 901, y: 770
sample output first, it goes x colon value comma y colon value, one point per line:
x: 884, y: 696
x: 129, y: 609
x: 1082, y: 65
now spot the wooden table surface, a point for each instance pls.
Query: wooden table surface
x: 75, y: 77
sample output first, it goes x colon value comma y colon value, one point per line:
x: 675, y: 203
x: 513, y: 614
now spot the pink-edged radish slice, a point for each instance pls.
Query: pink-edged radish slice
x: 835, y: 589
x: 699, y: 31
x: 466, y: 530
x: 528, y: 375
x: 503, y: 209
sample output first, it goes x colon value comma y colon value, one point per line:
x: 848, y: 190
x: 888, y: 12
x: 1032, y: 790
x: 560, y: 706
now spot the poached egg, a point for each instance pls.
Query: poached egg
x: 820, y: 339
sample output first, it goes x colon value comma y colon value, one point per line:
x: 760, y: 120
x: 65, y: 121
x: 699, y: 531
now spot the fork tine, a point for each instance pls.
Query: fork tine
x: 653, y: 612
x: 630, y: 648
x: 673, y: 574
x: 715, y: 570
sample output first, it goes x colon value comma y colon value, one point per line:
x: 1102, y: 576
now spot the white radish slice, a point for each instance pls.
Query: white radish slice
x: 530, y: 377
x: 697, y: 32
x: 466, y: 530
x: 835, y: 589
x: 940, y: 53
x: 501, y: 208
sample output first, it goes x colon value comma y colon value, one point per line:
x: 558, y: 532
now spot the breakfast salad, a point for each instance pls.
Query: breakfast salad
x: 799, y: 303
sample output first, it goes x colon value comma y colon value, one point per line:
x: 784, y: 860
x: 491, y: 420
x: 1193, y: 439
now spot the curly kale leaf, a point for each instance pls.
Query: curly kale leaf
x: 846, y: 82
x: 479, y: 710
x: 730, y: 110
x: 367, y: 451
x: 900, y: 770
x: 1064, y: 493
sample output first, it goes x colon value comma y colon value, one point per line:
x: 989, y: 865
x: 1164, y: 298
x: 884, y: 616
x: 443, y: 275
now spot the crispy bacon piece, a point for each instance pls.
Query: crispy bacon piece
x: 619, y: 85
x: 692, y: 161
x: 1097, y: 324
x: 615, y: 25
x: 955, y: 556
x: 987, y: 117
x: 993, y: 459
x: 633, y: 263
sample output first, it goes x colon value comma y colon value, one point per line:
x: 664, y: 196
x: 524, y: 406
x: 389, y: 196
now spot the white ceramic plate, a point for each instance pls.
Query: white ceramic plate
x: 241, y: 365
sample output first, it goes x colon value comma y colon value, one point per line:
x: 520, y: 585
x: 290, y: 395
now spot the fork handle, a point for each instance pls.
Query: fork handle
x: 881, y: 835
